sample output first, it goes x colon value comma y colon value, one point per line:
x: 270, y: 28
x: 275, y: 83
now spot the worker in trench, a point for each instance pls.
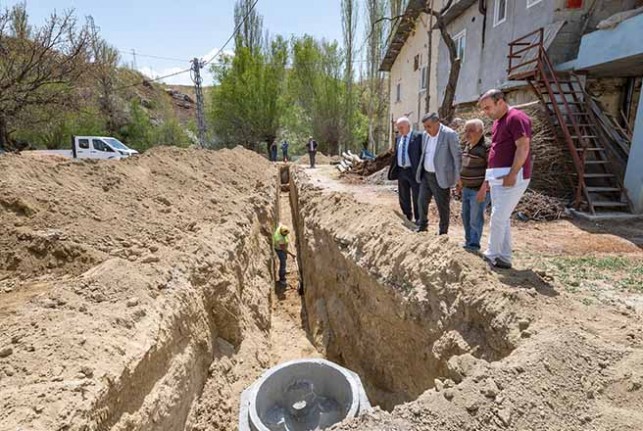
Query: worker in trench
x: 280, y: 244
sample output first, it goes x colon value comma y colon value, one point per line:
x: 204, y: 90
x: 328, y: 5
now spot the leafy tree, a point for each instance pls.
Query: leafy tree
x: 316, y: 84
x: 246, y: 105
x: 350, y: 10
x: 375, y: 97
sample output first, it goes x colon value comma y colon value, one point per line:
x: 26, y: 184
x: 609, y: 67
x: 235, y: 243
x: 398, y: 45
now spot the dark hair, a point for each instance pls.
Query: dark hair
x: 493, y: 94
x: 433, y: 116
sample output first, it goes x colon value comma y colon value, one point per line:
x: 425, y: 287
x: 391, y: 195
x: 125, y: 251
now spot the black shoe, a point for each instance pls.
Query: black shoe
x: 502, y: 264
x: 421, y: 229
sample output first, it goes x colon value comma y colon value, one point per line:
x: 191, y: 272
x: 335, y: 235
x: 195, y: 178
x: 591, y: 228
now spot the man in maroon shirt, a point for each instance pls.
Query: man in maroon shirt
x: 508, y: 171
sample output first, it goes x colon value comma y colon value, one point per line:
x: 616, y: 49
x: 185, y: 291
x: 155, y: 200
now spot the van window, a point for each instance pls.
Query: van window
x: 83, y: 143
x: 101, y: 146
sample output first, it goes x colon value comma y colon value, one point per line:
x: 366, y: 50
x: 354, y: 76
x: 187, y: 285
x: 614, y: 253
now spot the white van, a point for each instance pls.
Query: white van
x: 94, y: 147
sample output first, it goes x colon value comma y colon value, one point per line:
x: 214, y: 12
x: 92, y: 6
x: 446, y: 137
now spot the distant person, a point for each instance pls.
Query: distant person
x: 311, y: 146
x: 508, y: 171
x: 280, y: 244
x: 284, y: 150
x: 273, y: 152
x: 438, y: 170
x: 406, y: 158
x: 475, y: 197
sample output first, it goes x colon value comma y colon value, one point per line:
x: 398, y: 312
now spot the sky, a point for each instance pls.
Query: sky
x: 181, y: 30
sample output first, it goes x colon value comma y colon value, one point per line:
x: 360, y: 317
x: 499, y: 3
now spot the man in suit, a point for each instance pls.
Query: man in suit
x: 438, y: 170
x: 406, y: 157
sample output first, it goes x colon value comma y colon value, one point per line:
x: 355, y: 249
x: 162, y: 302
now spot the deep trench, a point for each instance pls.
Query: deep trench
x: 346, y: 315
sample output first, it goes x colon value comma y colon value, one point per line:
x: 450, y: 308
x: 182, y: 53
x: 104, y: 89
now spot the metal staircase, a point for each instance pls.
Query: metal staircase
x: 598, y: 187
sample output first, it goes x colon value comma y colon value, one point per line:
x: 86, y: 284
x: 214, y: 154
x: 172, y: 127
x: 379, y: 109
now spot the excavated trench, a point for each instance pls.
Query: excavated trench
x: 355, y: 315
x: 399, y: 311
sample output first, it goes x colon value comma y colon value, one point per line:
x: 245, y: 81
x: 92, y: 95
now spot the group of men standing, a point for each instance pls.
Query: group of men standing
x: 430, y: 164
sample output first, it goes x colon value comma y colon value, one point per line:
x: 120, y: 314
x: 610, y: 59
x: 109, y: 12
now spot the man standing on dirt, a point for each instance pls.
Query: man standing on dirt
x: 438, y: 170
x: 508, y: 171
x: 475, y: 198
x: 406, y: 157
x: 284, y: 150
x: 280, y: 244
x: 311, y: 146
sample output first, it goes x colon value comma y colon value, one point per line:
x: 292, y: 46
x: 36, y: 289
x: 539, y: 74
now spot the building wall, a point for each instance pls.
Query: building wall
x: 485, y: 63
x: 471, y: 22
x: 413, y: 99
x: 634, y: 172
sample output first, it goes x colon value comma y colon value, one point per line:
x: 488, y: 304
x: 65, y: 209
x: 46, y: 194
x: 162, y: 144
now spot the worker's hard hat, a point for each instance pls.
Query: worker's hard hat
x: 284, y: 230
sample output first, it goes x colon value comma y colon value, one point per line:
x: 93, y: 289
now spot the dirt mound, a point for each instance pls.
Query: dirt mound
x: 320, y: 159
x: 120, y: 281
x: 420, y: 319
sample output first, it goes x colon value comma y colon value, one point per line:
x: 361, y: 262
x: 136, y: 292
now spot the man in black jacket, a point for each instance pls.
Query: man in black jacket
x: 406, y: 159
x: 311, y: 146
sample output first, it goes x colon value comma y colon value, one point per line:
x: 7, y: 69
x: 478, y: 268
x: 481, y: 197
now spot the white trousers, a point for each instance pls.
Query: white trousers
x: 503, y: 202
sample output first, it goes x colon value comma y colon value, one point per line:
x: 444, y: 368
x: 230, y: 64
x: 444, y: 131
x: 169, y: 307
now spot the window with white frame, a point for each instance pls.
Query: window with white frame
x: 398, y: 92
x: 460, y: 41
x: 500, y: 12
x: 423, y: 78
x: 530, y: 3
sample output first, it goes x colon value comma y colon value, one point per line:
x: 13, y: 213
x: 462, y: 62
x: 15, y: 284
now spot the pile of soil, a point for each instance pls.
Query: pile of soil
x: 451, y: 344
x: 320, y: 159
x: 125, y: 284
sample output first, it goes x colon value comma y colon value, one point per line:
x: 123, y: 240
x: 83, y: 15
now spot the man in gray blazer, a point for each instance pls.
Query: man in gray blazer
x: 438, y: 170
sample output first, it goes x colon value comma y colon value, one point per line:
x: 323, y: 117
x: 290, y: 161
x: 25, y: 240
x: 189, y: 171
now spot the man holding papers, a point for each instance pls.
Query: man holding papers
x: 508, y: 171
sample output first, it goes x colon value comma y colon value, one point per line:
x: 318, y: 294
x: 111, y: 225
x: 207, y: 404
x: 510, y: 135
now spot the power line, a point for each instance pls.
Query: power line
x: 182, y: 60
x: 205, y: 62
x: 234, y: 33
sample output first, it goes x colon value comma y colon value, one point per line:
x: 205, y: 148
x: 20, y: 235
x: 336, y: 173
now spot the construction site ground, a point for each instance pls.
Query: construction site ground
x: 140, y: 295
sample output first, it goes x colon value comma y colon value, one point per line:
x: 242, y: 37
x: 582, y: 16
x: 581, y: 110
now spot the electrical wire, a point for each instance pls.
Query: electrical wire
x: 234, y: 33
x: 136, y: 53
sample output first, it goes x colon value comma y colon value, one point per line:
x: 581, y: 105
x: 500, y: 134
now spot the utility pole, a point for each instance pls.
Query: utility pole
x: 134, y: 66
x: 195, y: 73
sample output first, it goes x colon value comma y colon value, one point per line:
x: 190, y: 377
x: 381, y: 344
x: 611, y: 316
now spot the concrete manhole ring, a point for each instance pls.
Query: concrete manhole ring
x: 302, y: 395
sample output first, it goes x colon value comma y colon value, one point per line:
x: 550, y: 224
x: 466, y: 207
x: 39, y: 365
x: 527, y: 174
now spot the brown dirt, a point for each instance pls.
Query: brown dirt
x: 414, y: 314
x: 320, y: 159
x: 128, y: 286
x: 138, y: 295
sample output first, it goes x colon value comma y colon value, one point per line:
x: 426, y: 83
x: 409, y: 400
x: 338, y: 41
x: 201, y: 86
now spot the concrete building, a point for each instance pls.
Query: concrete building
x: 412, y: 71
x: 609, y: 60
x: 617, y: 54
x: 482, y: 31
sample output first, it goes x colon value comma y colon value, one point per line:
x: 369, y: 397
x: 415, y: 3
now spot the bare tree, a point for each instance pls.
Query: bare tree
x: 104, y: 62
x: 38, y: 67
x: 446, y: 109
x: 349, y: 26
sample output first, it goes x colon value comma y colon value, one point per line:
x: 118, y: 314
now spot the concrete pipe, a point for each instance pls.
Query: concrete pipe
x: 302, y: 395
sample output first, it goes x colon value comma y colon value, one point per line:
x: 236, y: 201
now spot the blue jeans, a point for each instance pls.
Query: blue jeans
x: 282, y: 265
x: 473, y: 217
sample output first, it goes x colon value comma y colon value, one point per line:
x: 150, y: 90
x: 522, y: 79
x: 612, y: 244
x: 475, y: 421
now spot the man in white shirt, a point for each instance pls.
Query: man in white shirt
x: 438, y: 170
